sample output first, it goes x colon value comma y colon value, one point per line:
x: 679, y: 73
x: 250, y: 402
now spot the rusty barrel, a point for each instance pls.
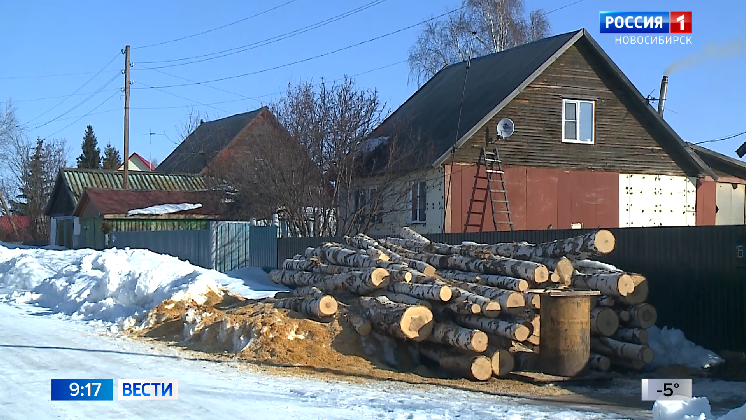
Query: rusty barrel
x: 565, y: 331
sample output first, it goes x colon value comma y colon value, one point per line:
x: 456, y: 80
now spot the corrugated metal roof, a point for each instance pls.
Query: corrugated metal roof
x: 80, y: 179
x: 110, y: 202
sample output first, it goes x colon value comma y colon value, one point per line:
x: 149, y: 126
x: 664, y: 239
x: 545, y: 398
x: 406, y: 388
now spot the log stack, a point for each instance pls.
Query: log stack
x: 471, y: 307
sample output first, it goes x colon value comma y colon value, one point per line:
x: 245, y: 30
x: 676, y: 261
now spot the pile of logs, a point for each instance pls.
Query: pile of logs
x: 472, y: 309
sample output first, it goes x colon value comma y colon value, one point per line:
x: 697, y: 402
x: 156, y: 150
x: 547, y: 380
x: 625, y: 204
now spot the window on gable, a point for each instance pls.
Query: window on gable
x: 419, y: 201
x: 578, y: 121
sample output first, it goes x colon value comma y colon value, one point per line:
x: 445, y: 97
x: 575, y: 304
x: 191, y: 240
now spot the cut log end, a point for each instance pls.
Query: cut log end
x: 327, y: 306
x: 378, y: 276
x: 502, y: 362
x: 479, y: 341
x: 445, y: 293
x: 625, y: 285
x: 541, y: 274
x: 490, y: 309
x: 417, y: 323
x: 522, y: 332
x: 604, y: 321
x: 604, y: 241
x: 428, y: 270
x: 599, y: 362
x: 481, y: 368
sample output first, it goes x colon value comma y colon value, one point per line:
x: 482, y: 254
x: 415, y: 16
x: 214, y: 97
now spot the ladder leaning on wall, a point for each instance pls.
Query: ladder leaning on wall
x: 493, y: 192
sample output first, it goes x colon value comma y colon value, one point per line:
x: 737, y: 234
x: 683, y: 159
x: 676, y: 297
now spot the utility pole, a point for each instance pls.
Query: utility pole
x: 126, y: 182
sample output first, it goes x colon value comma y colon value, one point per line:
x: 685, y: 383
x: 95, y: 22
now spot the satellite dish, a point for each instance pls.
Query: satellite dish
x: 505, y: 128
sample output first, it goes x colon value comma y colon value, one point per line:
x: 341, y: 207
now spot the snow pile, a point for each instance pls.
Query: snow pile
x: 113, y: 285
x: 598, y: 265
x: 672, y: 348
x: 251, y: 283
x: 694, y: 409
x: 164, y: 209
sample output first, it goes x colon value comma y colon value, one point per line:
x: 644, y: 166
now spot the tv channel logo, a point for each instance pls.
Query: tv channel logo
x: 148, y: 389
x: 646, y: 22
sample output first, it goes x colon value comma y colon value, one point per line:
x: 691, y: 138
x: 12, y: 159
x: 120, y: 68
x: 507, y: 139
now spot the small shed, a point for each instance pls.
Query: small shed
x: 103, y: 211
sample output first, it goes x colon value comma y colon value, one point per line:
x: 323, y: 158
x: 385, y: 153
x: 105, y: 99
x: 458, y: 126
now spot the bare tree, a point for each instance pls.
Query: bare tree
x: 479, y: 28
x: 317, y: 165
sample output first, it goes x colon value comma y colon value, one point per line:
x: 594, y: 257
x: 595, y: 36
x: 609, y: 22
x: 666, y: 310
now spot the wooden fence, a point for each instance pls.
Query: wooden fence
x: 697, y: 275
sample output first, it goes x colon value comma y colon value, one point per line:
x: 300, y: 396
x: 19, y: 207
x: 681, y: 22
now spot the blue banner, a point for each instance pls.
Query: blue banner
x: 82, y: 389
x: 635, y: 22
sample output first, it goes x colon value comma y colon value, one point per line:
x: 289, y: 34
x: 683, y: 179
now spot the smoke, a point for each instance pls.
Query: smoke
x: 710, y: 52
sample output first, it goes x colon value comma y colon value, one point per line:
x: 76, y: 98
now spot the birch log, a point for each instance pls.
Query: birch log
x: 623, y: 315
x: 362, y: 241
x: 513, y: 330
x: 502, y: 361
x: 510, y: 301
x: 533, y: 300
x: 396, y: 319
x: 632, y: 335
x: 613, y: 348
x: 489, y: 308
x: 613, y: 284
x: 470, y: 366
x: 409, y: 233
x: 463, y: 308
x: 599, y: 362
x: 562, y: 267
x: 361, y: 282
x: 591, y: 244
x: 604, y: 321
x: 306, y: 291
x: 320, y: 306
x: 359, y: 324
x: 503, y: 282
x: 422, y: 291
x: 640, y: 294
x: 458, y: 337
x: 642, y: 315
x: 402, y: 298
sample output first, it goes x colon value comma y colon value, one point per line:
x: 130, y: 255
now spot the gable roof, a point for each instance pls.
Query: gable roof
x: 119, y: 202
x: 432, y: 114
x: 720, y: 162
x: 72, y: 182
x: 141, y: 159
x: 205, y: 143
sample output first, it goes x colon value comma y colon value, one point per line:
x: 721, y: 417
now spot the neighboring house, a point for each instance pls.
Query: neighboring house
x: 137, y: 163
x: 587, y: 151
x: 8, y: 233
x: 721, y: 202
x: 103, y: 212
x: 215, y: 141
x: 71, y: 183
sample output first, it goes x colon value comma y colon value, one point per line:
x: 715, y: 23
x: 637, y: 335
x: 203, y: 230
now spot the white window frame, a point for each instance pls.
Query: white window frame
x: 577, y: 103
x: 421, y: 218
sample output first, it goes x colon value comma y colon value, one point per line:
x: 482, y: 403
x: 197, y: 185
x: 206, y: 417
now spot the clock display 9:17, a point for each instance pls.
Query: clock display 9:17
x: 82, y: 389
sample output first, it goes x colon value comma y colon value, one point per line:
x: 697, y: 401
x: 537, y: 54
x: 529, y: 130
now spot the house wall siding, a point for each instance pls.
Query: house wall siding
x: 397, y: 203
x: 622, y: 144
x: 542, y: 198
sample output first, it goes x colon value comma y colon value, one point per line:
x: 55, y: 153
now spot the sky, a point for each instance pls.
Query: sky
x: 53, y: 50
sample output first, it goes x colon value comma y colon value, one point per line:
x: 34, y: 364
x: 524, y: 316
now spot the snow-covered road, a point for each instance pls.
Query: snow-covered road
x: 35, y: 348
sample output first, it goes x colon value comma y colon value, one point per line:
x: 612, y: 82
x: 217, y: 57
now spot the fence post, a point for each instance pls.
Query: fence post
x: 213, y: 228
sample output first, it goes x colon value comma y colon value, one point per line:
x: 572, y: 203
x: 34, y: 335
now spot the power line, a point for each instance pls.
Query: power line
x: 565, y: 6
x: 53, y: 97
x: 722, y: 138
x: 237, y: 50
x: 181, y: 97
x: 83, y: 116
x: 210, y: 86
x: 43, y: 76
x: 309, y: 58
x: 76, y: 91
x: 79, y: 103
x: 215, y: 29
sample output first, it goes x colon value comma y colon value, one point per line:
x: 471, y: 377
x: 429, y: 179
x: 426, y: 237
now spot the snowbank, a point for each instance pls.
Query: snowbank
x: 694, y: 409
x: 672, y: 348
x: 164, y: 209
x: 114, y: 285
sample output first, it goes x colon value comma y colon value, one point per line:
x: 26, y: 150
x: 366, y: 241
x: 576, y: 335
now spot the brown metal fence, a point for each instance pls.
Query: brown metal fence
x: 695, y: 281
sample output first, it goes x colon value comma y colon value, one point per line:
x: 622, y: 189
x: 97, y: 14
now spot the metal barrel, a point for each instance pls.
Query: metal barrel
x: 565, y: 331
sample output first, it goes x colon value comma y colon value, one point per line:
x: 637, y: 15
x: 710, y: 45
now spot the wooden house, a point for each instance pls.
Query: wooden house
x: 588, y: 150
